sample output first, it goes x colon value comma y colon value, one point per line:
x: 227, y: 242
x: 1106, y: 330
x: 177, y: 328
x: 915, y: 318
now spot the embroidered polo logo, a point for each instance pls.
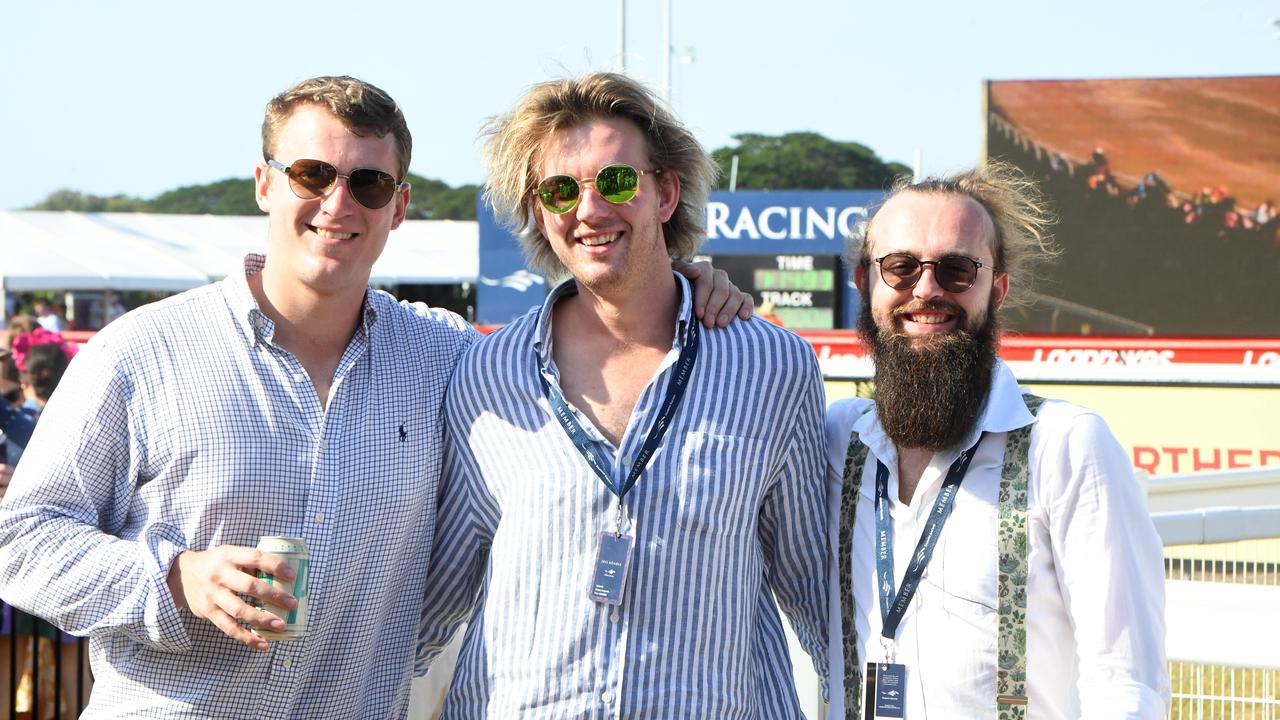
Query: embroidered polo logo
x: 403, y: 434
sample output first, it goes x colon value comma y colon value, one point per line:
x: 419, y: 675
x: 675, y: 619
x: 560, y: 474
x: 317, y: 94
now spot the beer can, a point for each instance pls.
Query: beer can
x: 292, y: 550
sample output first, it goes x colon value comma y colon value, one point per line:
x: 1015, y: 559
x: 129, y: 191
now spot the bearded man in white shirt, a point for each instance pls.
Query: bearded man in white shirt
x: 994, y: 554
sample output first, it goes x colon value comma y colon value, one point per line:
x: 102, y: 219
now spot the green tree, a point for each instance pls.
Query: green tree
x: 804, y: 161
x: 432, y: 199
x: 73, y: 201
x: 233, y: 196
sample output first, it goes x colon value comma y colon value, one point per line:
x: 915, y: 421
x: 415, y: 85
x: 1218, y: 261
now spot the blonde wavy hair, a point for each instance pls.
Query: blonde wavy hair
x: 1018, y: 210
x: 513, y: 145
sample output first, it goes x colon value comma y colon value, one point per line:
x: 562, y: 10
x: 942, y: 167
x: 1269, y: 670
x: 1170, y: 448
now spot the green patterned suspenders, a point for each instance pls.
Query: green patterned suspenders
x: 1011, y: 644
x: 849, y: 490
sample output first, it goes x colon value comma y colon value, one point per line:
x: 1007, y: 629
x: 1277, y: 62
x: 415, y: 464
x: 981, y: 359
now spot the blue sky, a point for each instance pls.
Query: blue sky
x: 138, y: 96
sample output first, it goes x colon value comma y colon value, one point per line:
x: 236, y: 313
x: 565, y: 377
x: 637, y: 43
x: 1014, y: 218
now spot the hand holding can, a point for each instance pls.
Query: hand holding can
x: 293, y: 550
x: 219, y: 585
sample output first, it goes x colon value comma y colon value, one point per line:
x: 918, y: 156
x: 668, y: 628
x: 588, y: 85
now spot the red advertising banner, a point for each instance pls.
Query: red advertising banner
x: 1210, y: 361
x: 1177, y: 405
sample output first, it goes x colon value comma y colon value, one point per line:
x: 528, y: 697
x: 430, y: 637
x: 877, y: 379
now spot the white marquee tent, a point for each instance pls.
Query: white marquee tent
x: 138, y: 251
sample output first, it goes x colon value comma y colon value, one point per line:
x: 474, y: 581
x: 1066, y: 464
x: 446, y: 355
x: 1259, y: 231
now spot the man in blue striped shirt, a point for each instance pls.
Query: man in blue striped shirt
x: 626, y: 496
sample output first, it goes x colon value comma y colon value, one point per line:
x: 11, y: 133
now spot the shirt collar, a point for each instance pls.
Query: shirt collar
x: 255, y: 324
x: 542, y: 329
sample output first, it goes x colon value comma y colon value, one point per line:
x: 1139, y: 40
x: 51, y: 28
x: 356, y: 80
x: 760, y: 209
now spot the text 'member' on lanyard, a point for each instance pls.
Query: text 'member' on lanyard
x: 886, y: 681
x: 614, y: 554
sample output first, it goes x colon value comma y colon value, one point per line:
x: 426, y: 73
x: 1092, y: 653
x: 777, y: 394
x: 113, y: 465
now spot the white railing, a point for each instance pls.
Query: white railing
x: 1222, y: 591
x: 1217, y: 525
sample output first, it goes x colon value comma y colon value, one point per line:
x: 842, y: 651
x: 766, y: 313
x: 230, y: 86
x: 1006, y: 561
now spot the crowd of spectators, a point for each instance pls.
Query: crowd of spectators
x: 33, y: 358
x: 1184, y: 263
x: 1213, y: 208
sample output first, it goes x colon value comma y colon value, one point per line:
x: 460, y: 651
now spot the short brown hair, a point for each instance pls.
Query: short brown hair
x: 512, y: 154
x: 362, y: 109
x: 1018, y: 210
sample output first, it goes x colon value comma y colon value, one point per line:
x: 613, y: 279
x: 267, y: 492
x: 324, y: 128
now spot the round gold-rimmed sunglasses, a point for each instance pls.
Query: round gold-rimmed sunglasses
x: 616, y: 183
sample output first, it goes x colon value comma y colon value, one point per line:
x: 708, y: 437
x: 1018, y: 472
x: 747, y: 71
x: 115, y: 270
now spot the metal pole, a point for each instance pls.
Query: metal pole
x: 666, y: 53
x: 733, y: 174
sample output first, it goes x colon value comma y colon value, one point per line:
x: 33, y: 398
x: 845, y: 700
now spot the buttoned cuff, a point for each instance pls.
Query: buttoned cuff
x: 162, y: 625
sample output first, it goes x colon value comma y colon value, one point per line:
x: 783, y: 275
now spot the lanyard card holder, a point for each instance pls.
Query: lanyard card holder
x: 613, y: 560
x: 885, y: 692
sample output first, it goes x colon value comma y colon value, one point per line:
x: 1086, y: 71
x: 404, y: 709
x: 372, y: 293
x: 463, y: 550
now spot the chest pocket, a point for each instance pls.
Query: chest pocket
x: 967, y: 571
x: 720, y: 481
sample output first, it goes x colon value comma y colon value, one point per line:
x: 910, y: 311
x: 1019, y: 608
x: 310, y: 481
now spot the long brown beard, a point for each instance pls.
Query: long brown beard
x: 930, y: 397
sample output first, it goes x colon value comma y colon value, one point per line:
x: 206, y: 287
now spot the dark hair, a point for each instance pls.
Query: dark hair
x: 8, y: 368
x: 45, y: 366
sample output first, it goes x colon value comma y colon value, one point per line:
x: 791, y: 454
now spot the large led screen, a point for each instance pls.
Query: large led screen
x: 1166, y: 191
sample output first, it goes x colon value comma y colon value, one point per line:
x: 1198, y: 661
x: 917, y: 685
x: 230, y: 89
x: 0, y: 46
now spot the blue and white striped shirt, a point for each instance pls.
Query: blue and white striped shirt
x: 729, y: 513
x: 183, y: 426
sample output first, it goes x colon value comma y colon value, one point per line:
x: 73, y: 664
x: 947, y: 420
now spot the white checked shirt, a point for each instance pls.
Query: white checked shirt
x: 729, y: 513
x: 183, y: 426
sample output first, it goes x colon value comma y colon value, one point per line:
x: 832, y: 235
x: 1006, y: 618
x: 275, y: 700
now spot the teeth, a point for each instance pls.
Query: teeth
x: 331, y: 235
x: 598, y: 240
x: 928, y: 319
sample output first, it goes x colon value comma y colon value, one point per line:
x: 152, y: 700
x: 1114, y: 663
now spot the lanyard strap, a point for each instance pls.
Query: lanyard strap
x: 653, y: 438
x: 894, y: 605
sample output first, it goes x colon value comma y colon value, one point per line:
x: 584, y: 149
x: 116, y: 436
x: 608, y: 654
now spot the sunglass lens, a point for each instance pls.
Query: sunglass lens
x: 617, y: 183
x: 900, y: 270
x: 558, y: 193
x: 956, y: 274
x: 372, y: 188
x: 311, y: 178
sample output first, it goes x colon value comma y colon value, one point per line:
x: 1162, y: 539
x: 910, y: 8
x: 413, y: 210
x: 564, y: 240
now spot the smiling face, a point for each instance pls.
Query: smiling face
x: 325, y: 246
x: 609, y: 248
x: 929, y: 226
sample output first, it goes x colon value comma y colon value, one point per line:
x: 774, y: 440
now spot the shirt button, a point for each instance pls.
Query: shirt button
x: 606, y: 696
x: 299, y: 377
x: 320, y: 517
x: 324, y: 444
x: 287, y: 662
x: 614, y: 617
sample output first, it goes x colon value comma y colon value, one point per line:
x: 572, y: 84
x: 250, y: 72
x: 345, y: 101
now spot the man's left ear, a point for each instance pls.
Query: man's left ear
x: 1000, y: 289
x: 538, y: 220
x: 402, y: 206
x: 668, y: 194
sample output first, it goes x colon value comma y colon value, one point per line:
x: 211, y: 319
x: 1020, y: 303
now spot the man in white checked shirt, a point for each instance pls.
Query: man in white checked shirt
x: 626, y: 495
x: 289, y: 399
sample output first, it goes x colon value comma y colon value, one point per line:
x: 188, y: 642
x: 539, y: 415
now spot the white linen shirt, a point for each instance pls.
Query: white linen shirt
x: 184, y: 426
x: 1095, y: 594
x: 728, y: 515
